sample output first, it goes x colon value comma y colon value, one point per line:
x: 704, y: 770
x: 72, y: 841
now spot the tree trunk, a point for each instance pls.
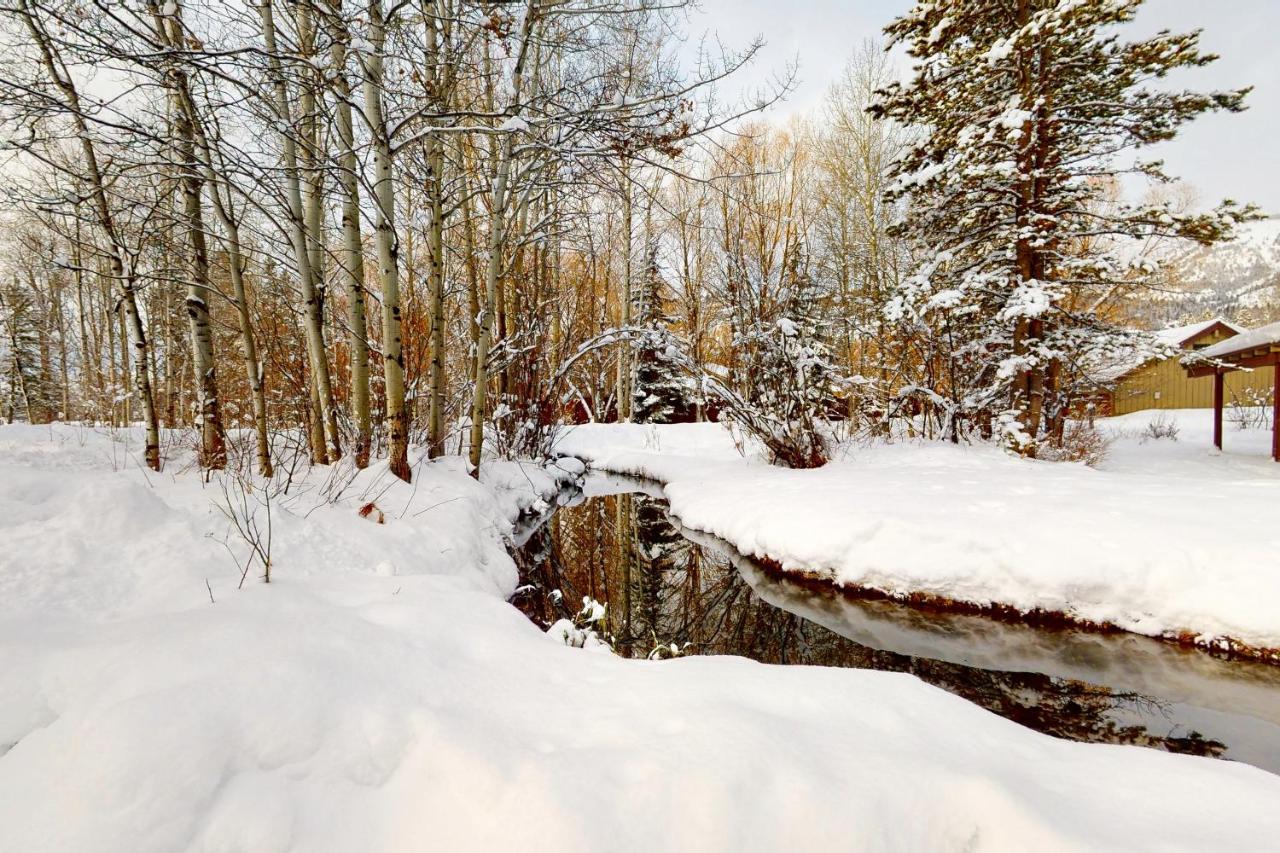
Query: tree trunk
x: 213, y: 451
x: 312, y: 155
x: 473, y: 271
x: 195, y: 140
x: 248, y: 342
x: 313, y: 320
x: 86, y: 371
x: 121, y: 266
x: 388, y: 250
x: 353, y: 255
x: 436, y: 74
x: 624, y: 308
x: 497, y: 243
x: 435, y: 296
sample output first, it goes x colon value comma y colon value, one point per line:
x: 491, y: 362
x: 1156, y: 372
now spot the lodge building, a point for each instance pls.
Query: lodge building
x: 1164, y: 384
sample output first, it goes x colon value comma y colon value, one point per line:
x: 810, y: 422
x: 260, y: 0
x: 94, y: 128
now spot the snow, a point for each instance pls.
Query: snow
x: 1130, y: 358
x: 1259, y: 337
x: 1177, y: 335
x: 381, y: 695
x: 1000, y: 50
x: 570, y: 465
x: 1169, y: 537
x: 514, y: 123
x: 1235, y: 277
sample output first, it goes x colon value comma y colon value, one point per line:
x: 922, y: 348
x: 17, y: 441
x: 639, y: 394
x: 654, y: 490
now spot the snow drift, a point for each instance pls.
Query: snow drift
x: 381, y: 695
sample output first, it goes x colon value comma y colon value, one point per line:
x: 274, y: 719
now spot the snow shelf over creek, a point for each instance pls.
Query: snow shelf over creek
x: 1169, y: 539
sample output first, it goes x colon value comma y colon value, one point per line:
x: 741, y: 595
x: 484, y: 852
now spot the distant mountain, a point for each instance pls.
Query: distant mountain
x: 1239, y: 280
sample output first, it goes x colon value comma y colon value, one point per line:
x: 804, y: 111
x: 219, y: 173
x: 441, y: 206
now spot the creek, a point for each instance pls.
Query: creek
x: 672, y: 591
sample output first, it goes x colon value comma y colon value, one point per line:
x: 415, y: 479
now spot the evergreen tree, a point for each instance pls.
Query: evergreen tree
x: 661, y: 392
x: 1026, y: 109
x: 26, y: 392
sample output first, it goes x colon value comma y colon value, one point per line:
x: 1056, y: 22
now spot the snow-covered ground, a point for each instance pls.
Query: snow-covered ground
x: 1166, y: 537
x: 381, y: 695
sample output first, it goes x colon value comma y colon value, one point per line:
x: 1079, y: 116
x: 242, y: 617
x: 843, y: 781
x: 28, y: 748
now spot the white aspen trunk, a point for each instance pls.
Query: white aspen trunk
x: 473, y: 272
x: 312, y: 156
x: 388, y: 262
x: 16, y: 366
x: 212, y: 443
x: 112, y: 381
x: 435, y: 296
x: 87, y: 366
x: 60, y: 326
x: 213, y: 451
x: 492, y: 270
x: 557, y: 307
x: 249, y: 349
x: 166, y: 335
x: 435, y: 240
x: 497, y: 242
x: 121, y: 267
x: 248, y: 342
x: 313, y: 316
x: 353, y: 253
x: 624, y: 310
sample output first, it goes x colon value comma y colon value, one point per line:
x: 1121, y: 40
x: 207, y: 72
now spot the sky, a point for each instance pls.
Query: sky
x: 1222, y: 156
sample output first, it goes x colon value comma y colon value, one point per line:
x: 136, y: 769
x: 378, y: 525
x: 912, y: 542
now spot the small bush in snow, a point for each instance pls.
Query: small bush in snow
x: 578, y: 631
x: 1081, y: 442
x: 793, y: 383
x: 1161, y: 426
x: 1250, y: 410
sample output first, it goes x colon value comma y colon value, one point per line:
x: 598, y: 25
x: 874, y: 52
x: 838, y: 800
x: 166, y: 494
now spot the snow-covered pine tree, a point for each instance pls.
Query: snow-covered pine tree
x: 662, y: 392
x: 1025, y: 107
x: 24, y: 392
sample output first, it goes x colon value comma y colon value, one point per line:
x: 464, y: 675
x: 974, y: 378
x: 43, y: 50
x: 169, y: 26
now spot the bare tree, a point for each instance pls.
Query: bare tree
x: 58, y: 93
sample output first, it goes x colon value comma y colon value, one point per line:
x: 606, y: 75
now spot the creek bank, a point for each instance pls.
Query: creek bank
x: 1170, y: 541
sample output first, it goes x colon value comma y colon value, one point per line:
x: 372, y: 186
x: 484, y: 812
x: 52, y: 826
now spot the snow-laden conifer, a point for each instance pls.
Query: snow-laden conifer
x: 1028, y: 110
x: 662, y: 392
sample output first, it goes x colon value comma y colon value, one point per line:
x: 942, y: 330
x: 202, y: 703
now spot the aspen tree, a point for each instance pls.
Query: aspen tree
x: 352, y: 238
x: 301, y: 238
x: 388, y: 246
x: 213, y: 453
x: 121, y: 264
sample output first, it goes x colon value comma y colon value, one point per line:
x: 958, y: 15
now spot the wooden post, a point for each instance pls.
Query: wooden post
x: 1275, y: 411
x: 1217, y: 409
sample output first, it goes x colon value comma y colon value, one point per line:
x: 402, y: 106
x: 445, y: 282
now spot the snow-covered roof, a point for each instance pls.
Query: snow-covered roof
x: 1120, y: 364
x: 1252, y: 339
x: 1179, y: 335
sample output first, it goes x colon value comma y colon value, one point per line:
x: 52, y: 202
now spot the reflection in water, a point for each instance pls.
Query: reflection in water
x: 669, y: 592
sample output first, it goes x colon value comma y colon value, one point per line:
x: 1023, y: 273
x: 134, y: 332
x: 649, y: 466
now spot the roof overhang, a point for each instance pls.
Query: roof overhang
x: 1263, y: 356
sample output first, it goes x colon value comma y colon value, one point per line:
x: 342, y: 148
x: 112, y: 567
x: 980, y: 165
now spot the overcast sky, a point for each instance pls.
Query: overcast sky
x: 1222, y: 156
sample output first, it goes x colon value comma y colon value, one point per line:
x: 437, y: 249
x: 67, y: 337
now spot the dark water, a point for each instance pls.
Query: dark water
x: 663, y: 586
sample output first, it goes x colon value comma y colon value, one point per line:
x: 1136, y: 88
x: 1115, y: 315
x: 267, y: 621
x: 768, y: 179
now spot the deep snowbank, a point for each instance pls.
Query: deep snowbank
x: 1170, y: 537
x: 380, y: 695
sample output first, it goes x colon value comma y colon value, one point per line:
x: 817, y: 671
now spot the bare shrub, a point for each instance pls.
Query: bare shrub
x: 1250, y: 409
x: 247, y: 509
x: 1161, y: 426
x: 1081, y: 442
